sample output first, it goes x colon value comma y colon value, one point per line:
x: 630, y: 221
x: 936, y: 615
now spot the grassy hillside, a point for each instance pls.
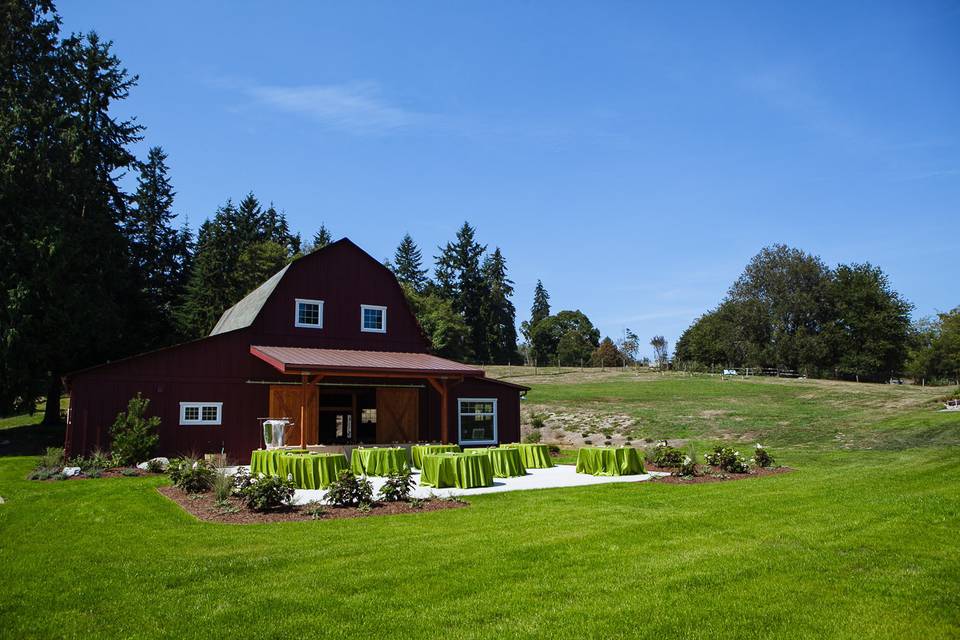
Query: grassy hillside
x: 860, y: 542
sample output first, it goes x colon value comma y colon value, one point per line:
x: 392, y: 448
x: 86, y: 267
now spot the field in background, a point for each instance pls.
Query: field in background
x: 859, y: 542
x: 817, y: 415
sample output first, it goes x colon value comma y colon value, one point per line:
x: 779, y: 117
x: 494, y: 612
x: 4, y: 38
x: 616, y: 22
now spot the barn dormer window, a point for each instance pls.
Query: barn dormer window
x: 309, y: 313
x: 373, y: 318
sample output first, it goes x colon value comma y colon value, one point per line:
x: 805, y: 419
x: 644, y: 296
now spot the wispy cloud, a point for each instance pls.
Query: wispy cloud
x: 355, y: 108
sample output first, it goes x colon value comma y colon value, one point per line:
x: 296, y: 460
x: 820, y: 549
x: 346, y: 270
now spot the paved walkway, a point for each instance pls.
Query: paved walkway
x: 564, y: 475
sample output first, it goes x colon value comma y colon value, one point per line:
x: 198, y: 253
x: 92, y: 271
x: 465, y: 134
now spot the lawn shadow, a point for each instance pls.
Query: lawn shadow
x: 30, y: 439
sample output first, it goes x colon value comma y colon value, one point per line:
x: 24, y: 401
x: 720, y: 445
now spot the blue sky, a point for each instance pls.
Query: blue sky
x: 632, y: 156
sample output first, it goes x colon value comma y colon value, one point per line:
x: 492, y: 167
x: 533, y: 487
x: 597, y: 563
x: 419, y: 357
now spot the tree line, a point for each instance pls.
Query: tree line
x: 790, y: 311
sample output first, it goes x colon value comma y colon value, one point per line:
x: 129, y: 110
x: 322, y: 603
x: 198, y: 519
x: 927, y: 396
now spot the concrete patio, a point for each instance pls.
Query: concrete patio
x: 564, y: 475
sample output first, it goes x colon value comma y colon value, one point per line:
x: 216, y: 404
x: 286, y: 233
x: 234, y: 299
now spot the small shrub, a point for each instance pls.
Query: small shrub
x: 134, y: 435
x: 241, y: 480
x: 130, y: 473
x: 269, y: 493
x: 364, y: 507
x: 553, y: 449
x: 348, y: 490
x: 418, y: 503
x: 532, y: 438
x: 608, y: 442
x: 727, y: 459
x: 666, y: 456
x: 537, y: 421
x: 52, y: 459
x: 154, y: 466
x: 397, y: 487
x: 60, y: 476
x: 191, y: 475
x: 94, y: 473
x: 315, y: 509
x: 98, y: 460
x: 687, y: 468
x: 761, y: 457
x: 588, y: 442
x: 222, y: 486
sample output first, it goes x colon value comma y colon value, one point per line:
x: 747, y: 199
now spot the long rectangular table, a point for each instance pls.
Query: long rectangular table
x: 609, y: 461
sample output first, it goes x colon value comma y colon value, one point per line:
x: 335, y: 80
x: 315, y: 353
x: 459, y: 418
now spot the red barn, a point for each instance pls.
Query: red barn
x: 330, y: 342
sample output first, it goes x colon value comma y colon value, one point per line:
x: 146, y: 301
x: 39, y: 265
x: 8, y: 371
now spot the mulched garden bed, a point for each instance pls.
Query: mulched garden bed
x: 204, y: 506
x: 713, y: 474
x: 116, y: 472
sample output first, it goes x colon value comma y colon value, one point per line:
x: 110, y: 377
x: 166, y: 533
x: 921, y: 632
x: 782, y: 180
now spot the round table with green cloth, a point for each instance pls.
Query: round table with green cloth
x: 311, y: 470
x: 461, y: 470
x: 380, y: 461
x: 265, y: 460
x: 609, y: 461
x: 506, y: 462
x: 534, y: 456
x: 417, y: 451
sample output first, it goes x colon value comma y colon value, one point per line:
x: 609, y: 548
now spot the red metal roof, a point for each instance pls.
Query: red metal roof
x: 296, y: 359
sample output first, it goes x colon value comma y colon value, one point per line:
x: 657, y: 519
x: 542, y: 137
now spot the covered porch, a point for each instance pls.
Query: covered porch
x: 337, y: 399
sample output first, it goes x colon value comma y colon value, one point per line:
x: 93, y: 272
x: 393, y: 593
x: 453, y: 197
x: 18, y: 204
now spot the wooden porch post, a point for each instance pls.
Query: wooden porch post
x: 303, y: 409
x: 444, y: 411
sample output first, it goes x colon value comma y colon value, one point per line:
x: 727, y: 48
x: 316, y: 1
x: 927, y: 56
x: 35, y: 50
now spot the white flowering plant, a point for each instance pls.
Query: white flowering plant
x: 727, y: 459
x: 761, y: 457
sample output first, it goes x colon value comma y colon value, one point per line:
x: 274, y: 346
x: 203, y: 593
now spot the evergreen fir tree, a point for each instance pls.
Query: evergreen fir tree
x: 160, y: 253
x: 462, y: 260
x: 539, y: 311
x: 497, y: 311
x: 320, y: 239
x: 408, y: 264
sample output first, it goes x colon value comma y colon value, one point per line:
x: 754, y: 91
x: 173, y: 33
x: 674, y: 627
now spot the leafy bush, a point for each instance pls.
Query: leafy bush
x: 761, y: 457
x: 154, y: 466
x: 532, y: 438
x: 397, y: 487
x: 666, y: 456
x: 687, y: 468
x: 727, y: 459
x: 418, y: 503
x: 588, y: 442
x: 537, y: 420
x: 608, y: 442
x: 191, y: 475
x: 269, y: 493
x: 222, y: 486
x: 42, y: 473
x: 553, y: 449
x: 134, y: 435
x: 348, y: 490
x: 241, y: 480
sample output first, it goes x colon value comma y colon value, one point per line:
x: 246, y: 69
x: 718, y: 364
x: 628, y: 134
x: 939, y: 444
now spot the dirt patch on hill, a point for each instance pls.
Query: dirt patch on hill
x: 204, y: 507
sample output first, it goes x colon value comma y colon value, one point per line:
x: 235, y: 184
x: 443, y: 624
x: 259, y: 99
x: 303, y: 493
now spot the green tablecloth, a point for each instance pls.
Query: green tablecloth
x: 265, y: 460
x: 417, y: 451
x: 609, y: 461
x: 461, y: 470
x: 311, y: 470
x: 506, y: 462
x: 534, y: 456
x: 378, y: 462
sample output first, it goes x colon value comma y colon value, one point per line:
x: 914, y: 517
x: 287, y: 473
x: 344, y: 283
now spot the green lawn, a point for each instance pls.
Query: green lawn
x: 858, y: 543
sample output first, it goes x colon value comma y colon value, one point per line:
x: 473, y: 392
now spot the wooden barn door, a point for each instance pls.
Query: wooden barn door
x: 398, y: 414
x: 285, y: 403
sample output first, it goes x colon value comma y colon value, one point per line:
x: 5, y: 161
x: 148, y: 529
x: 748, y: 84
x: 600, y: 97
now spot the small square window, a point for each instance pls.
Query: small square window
x: 373, y: 318
x: 309, y: 313
x: 200, y: 413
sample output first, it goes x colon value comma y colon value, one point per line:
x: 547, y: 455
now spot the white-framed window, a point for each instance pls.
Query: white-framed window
x: 308, y: 313
x: 373, y: 318
x: 477, y: 420
x: 193, y: 413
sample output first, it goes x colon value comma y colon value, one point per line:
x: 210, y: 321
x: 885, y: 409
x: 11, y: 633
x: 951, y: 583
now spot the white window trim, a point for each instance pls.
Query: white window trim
x: 373, y: 307
x: 200, y: 405
x: 296, y: 313
x: 460, y: 414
